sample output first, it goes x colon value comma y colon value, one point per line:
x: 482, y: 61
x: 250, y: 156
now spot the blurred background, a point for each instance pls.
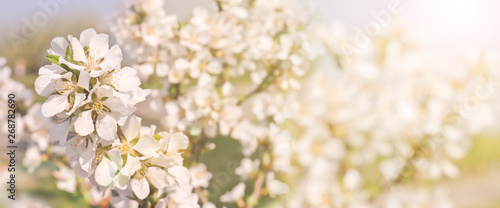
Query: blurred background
x: 446, y: 27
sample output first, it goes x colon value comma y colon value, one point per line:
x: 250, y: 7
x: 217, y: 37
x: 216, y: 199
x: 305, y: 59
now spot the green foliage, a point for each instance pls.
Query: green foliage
x: 53, y: 58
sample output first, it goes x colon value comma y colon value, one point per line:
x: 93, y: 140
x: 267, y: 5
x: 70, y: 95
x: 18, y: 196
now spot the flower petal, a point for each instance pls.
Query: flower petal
x: 121, y: 181
x: 139, y: 95
x: 105, y: 172
x: 44, y: 85
x: 84, y: 125
x: 52, y: 69
x: 140, y: 186
x: 147, y: 145
x: 84, y: 79
x: 133, y: 164
x: 106, y: 127
x: 161, y: 160
x: 127, y: 79
x: 58, y: 46
x: 157, y: 177
x: 180, y: 174
x: 112, y: 59
x: 98, y: 46
x: 79, y: 101
x: 54, y: 105
x: 60, y: 131
x: 78, y: 53
x: 115, y: 157
x: 86, y: 36
x: 132, y: 127
x: 178, y: 141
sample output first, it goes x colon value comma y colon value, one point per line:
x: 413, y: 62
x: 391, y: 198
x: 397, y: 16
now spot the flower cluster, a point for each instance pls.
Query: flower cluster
x: 198, y: 63
x: 88, y: 91
x: 207, y: 71
x: 393, y: 109
x: 91, y: 99
x: 307, y: 119
x: 10, y: 86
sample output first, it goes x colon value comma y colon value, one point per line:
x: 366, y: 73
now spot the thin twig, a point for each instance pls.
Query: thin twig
x: 257, y: 189
x: 262, y: 86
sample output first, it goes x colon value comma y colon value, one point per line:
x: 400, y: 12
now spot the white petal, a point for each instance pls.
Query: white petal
x: 97, y: 73
x: 79, y: 101
x: 238, y: 191
x: 78, y: 53
x: 121, y: 181
x: 86, y: 36
x: 84, y: 80
x: 51, y: 69
x: 133, y: 164
x: 60, y: 131
x: 140, y: 186
x: 161, y: 160
x: 105, y: 172
x: 112, y: 59
x: 181, y: 174
x: 235, y: 194
x: 115, y: 157
x: 106, y: 127
x: 71, y: 65
x: 84, y: 125
x: 127, y: 79
x: 44, y: 85
x: 157, y: 177
x: 147, y: 145
x: 139, y: 95
x: 98, y: 46
x: 86, y: 163
x: 132, y: 127
x: 178, y: 141
x: 54, y: 105
x: 58, y: 46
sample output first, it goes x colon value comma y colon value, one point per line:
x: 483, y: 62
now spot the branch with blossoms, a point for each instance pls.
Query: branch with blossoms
x: 361, y: 133
x: 228, y: 71
x: 91, y: 99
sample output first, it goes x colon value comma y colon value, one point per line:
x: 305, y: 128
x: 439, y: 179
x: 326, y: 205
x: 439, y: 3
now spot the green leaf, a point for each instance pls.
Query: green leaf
x: 53, y: 58
x: 66, y: 67
x: 69, y: 54
x: 72, y: 98
x: 157, y: 137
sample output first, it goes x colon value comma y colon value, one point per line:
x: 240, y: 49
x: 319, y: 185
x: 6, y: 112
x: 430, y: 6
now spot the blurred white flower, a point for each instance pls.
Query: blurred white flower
x: 200, y: 176
x: 235, y: 194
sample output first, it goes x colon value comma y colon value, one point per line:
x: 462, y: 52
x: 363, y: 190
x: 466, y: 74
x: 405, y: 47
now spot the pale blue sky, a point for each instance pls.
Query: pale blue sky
x: 466, y: 25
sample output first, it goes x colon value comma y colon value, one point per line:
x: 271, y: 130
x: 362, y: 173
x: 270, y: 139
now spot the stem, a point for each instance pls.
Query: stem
x: 419, y: 150
x: 202, y: 198
x: 144, y: 203
x: 262, y: 86
x: 199, y: 144
x: 253, y: 199
x: 409, y: 164
x: 219, y: 5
